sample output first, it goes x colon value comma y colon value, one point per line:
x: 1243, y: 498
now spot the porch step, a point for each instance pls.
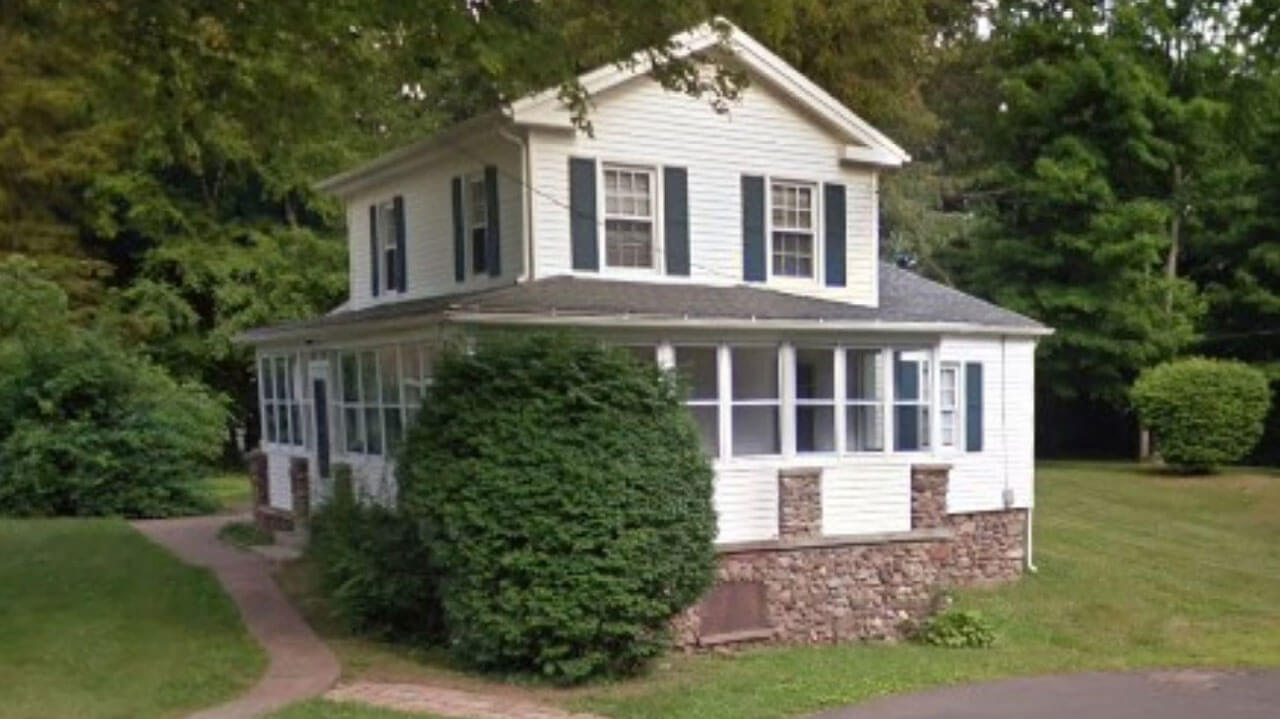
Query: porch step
x: 296, y: 539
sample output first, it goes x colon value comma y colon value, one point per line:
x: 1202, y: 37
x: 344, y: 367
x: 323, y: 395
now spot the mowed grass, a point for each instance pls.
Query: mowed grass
x: 95, y: 621
x: 1137, y: 570
x: 232, y: 491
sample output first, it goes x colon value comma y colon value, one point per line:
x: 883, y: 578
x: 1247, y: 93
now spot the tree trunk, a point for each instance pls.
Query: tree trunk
x: 1175, y: 241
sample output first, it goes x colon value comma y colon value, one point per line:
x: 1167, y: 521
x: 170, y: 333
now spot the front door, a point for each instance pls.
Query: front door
x: 320, y: 398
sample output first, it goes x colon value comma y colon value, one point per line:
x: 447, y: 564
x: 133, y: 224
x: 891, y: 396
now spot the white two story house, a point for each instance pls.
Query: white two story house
x: 845, y: 403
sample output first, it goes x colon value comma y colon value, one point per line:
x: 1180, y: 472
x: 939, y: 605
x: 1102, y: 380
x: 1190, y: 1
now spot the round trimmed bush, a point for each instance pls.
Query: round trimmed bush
x: 1204, y: 412
x: 566, y: 502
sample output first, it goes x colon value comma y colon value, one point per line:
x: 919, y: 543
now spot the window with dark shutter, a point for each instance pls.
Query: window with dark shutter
x: 401, y: 251
x: 493, y: 244
x: 753, y: 228
x: 835, y: 220
x: 582, y: 214
x: 459, y: 232
x: 675, y: 211
x: 973, y: 406
x: 374, y: 259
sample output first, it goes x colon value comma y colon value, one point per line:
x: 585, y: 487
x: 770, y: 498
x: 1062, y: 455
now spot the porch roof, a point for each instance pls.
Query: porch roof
x: 907, y: 302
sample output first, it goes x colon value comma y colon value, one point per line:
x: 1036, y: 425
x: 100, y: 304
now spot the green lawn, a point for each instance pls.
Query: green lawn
x: 95, y: 621
x: 231, y: 491
x: 1136, y: 570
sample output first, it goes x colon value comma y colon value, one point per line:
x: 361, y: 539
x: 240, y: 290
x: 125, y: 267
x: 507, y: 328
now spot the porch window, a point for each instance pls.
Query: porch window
x: 756, y: 403
x: 864, y: 406
x: 628, y: 216
x: 699, y: 368
x: 948, y: 404
x: 644, y: 354
x: 911, y: 401
x: 792, y: 216
x: 370, y: 400
x: 417, y: 363
x: 281, y: 407
x: 815, y: 400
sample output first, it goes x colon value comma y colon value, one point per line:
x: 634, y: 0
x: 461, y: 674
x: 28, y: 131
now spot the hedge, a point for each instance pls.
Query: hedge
x: 1204, y: 412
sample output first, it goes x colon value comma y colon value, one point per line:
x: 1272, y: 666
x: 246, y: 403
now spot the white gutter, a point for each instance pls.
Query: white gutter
x: 554, y: 318
x: 526, y: 171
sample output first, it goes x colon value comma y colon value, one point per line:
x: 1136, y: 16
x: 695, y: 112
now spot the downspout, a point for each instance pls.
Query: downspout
x: 526, y: 170
x: 1004, y: 433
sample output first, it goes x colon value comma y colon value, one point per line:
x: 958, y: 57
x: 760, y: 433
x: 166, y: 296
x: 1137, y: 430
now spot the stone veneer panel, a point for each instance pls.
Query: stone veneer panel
x: 799, y: 503
x: 828, y: 589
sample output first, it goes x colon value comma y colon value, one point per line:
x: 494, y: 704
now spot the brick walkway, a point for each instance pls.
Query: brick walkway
x: 446, y: 702
x: 301, y: 666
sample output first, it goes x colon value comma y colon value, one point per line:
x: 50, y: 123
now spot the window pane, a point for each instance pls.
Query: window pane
x: 755, y: 431
x: 269, y: 419
x: 265, y: 374
x: 291, y: 373
x: 864, y: 375
x: 373, y: 431
x: 708, y: 421
x: 792, y: 254
x: 815, y: 374
x: 389, y: 374
x: 697, y: 366
x: 628, y: 243
x: 283, y: 380
x: 755, y: 373
x: 395, y: 430
x: 908, y: 376
x: 911, y: 428
x: 815, y: 429
x: 947, y: 427
x: 369, y: 377
x: 295, y: 423
x: 350, y: 378
x: 864, y: 428
x: 355, y: 440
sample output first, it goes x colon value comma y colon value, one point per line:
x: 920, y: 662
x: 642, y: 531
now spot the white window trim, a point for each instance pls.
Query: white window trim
x: 884, y: 358
x: 819, y: 232
x: 929, y: 401
x: 656, y: 205
x: 385, y: 244
x: 837, y: 393
x: 957, y: 409
x: 469, y: 181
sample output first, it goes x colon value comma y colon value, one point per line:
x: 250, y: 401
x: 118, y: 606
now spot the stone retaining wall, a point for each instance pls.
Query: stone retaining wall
x: 825, y: 589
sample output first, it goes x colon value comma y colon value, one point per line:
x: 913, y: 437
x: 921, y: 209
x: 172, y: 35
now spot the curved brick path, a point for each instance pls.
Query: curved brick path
x: 1185, y: 694
x: 301, y: 666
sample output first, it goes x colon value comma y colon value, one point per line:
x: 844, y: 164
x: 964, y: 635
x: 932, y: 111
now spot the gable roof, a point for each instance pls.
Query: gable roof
x: 866, y: 144
x: 873, y: 146
x: 908, y: 303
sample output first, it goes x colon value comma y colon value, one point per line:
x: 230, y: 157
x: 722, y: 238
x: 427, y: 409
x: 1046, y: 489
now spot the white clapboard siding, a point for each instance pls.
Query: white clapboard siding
x: 640, y: 123
x: 746, y: 504
x: 866, y: 498
x: 429, y: 234
x: 978, y: 479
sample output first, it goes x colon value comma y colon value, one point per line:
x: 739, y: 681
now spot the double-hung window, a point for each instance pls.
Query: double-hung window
x: 629, y: 216
x: 911, y: 401
x: 864, y: 400
x: 281, y: 407
x: 756, y: 402
x: 949, y: 403
x: 370, y: 400
x: 387, y: 247
x: 478, y: 222
x: 794, y: 229
x: 815, y: 394
x: 699, y: 368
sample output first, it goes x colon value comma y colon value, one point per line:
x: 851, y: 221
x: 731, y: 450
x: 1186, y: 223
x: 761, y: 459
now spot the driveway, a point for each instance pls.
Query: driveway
x: 1182, y: 694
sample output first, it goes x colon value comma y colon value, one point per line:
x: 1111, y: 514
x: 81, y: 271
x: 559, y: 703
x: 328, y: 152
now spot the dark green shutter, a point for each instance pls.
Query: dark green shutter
x: 373, y: 250
x: 753, y: 245
x: 906, y: 386
x: 835, y: 230
x: 459, y: 233
x: 493, y: 244
x: 582, y: 214
x: 675, y: 206
x: 400, y: 268
x: 973, y: 406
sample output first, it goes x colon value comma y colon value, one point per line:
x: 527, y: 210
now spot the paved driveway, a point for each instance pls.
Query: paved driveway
x: 1147, y: 695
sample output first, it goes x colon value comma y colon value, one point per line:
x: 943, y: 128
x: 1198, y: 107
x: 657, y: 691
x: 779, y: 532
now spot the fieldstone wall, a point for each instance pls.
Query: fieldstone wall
x: 828, y: 589
x: 300, y: 487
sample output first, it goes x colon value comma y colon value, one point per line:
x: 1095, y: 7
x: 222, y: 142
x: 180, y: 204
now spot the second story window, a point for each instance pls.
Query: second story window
x: 793, y: 229
x: 478, y: 223
x: 387, y: 246
x: 628, y: 216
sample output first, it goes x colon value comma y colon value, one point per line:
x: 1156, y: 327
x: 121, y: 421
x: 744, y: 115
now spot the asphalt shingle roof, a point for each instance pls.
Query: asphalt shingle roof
x: 904, y: 297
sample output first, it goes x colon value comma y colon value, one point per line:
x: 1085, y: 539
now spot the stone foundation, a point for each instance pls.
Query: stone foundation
x: 818, y: 589
x: 300, y: 488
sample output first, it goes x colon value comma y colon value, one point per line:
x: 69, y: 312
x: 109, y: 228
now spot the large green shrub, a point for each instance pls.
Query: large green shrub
x: 567, y: 505
x: 86, y: 427
x: 1203, y: 412
x: 374, y: 566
